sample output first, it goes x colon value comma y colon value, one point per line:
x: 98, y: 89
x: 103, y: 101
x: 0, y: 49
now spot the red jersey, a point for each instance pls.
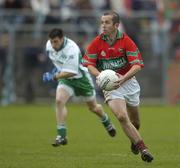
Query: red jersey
x: 120, y: 56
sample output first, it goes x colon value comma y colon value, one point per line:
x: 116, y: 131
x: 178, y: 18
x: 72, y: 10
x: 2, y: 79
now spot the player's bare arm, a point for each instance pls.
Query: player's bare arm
x: 93, y: 70
x: 61, y: 75
x: 128, y: 75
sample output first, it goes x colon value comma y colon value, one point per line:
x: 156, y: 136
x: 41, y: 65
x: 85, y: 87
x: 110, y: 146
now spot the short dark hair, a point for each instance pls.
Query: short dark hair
x: 115, y: 16
x: 56, y: 32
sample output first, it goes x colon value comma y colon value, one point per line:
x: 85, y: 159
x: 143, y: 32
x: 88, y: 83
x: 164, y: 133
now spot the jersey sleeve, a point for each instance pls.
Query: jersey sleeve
x: 48, y: 45
x: 71, y: 64
x: 132, y: 52
x: 91, y: 54
x: 48, y: 48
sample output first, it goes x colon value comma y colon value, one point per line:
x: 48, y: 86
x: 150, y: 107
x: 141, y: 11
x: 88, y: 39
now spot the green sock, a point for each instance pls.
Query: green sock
x: 62, y: 130
x: 105, y: 120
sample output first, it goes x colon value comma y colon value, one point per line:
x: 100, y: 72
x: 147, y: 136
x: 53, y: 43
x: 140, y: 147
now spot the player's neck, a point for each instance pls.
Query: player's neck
x: 112, y: 36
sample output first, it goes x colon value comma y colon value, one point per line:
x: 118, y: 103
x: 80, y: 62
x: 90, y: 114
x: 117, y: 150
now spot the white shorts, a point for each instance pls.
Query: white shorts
x: 129, y: 91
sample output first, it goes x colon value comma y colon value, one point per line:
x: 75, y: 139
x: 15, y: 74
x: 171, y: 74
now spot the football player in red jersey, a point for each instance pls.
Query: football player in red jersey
x: 115, y: 50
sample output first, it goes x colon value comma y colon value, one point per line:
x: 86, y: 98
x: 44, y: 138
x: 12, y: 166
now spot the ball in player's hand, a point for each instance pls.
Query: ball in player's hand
x: 106, y: 79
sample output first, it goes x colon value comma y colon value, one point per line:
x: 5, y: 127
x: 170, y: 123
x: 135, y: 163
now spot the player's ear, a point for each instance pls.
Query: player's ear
x: 116, y: 25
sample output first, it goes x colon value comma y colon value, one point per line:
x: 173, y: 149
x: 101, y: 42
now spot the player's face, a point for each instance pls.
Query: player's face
x: 57, y: 43
x: 107, y: 25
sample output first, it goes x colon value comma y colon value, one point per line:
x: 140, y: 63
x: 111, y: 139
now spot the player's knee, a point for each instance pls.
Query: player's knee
x: 95, y: 108
x: 59, y: 101
x: 122, y: 118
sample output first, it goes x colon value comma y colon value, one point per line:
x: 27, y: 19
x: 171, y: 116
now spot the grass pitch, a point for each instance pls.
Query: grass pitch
x: 27, y: 131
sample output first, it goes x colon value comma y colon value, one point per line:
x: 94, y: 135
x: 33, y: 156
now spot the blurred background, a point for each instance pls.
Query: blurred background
x: 154, y: 25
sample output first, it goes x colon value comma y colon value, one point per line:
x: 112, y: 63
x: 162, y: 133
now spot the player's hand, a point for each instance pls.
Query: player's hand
x: 48, y: 77
x: 119, y: 82
x: 97, y: 80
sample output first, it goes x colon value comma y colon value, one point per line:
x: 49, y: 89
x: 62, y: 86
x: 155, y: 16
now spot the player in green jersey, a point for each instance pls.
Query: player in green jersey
x: 73, y: 81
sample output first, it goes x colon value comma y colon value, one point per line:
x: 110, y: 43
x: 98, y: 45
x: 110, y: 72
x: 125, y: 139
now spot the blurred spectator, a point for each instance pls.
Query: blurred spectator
x: 2, y: 60
x: 172, y: 8
x: 4, y: 41
x: 101, y: 5
x: 172, y: 11
x: 53, y: 17
x: 55, y: 4
x: 122, y: 7
x: 41, y: 9
x: 66, y: 7
x: 13, y: 4
x: 14, y: 18
x: 137, y: 5
x: 85, y: 18
x: 176, y: 40
x: 130, y: 22
x: 143, y: 5
x: 35, y: 63
x: 159, y: 28
x: 2, y: 65
x: 1, y: 3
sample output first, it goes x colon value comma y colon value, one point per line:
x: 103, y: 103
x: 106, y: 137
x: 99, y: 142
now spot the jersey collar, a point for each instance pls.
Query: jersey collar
x: 64, y: 43
x: 119, y: 35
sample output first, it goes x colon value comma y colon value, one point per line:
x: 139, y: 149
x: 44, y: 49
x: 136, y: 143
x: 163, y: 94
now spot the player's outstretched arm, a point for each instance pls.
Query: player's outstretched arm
x: 49, y: 76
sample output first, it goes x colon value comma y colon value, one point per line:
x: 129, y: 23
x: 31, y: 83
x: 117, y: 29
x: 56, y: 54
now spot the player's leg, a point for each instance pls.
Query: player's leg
x: 132, y: 104
x: 62, y: 96
x: 98, y: 110
x: 118, y: 107
x: 84, y: 87
x: 133, y: 113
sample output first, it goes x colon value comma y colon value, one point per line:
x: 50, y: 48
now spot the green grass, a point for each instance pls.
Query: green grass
x: 26, y: 133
